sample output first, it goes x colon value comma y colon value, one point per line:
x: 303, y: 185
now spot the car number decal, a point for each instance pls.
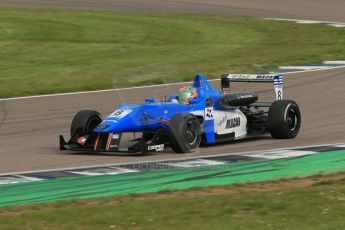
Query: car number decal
x: 120, y: 113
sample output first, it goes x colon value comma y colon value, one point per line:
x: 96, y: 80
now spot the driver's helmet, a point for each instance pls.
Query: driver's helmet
x: 186, y: 93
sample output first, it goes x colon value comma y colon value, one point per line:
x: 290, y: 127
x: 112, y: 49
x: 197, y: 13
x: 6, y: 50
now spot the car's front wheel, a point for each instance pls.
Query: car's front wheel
x: 184, y: 133
x: 84, y: 122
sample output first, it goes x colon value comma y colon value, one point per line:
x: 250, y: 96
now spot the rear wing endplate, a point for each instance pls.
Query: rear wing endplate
x: 277, y: 81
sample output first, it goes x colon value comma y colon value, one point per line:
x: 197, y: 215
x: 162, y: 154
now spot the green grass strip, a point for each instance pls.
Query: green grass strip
x: 51, y: 51
x: 155, y: 181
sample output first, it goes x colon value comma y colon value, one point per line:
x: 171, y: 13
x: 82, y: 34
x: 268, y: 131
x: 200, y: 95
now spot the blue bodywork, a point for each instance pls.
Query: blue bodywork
x: 150, y: 116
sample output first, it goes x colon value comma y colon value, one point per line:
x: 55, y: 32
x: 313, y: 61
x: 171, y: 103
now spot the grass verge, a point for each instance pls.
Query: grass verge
x: 50, y: 51
x: 308, y: 203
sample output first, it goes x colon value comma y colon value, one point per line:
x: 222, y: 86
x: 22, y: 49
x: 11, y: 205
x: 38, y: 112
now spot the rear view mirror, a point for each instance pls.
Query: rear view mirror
x: 149, y: 100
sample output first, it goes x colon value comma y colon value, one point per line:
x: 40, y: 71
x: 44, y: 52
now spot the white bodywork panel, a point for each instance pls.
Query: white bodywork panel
x: 226, y: 122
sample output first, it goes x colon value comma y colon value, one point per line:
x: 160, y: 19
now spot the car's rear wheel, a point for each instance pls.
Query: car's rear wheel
x: 184, y: 133
x: 284, y: 119
x: 84, y: 122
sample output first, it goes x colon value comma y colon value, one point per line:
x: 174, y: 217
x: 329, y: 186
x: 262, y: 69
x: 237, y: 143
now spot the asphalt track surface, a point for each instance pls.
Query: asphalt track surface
x: 29, y: 128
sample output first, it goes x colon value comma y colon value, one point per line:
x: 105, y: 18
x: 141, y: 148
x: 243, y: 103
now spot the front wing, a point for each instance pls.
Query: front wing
x: 111, y: 142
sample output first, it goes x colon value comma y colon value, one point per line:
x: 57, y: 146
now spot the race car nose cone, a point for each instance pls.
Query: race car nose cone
x: 105, y: 127
x: 101, y: 127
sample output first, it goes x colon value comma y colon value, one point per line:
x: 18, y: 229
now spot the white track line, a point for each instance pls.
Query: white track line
x: 334, y: 62
x: 93, y: 91
x: 308, y: 22
x: 302, y: 67
x: 337, y: 25
x: 312, y: 70
x: 146, y: 86
x: 302, y: 21
x: 246, y: 153
x: 279, y: 154
x: 13, y: 179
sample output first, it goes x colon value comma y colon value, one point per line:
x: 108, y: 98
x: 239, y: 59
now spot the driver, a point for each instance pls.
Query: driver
x: 186, y: 93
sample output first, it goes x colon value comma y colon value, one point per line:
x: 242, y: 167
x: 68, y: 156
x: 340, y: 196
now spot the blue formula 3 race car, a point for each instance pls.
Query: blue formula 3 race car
x: 182, y: 124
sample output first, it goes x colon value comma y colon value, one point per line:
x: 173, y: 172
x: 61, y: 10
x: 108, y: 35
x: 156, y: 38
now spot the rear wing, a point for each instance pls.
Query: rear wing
x: 277, y: 81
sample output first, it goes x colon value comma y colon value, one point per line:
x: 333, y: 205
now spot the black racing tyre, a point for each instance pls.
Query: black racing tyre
x: 84, y: 122
x: 184, y: 133
x: 284, y: 119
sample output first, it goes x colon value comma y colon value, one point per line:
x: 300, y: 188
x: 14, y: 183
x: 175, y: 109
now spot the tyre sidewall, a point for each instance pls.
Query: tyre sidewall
x: 277, y: 119
x: 177, y: 136
x: 84, y: 122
